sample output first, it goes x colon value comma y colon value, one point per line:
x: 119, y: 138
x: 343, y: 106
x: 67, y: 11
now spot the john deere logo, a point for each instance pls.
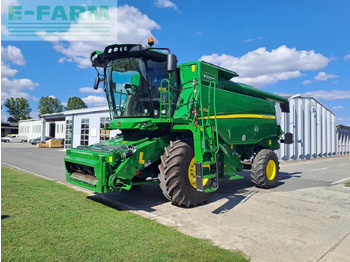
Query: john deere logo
x: 208, y: 76
x: 118, y: 124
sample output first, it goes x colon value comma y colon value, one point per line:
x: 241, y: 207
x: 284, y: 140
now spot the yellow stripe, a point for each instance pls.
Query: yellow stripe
x: 241, y: 116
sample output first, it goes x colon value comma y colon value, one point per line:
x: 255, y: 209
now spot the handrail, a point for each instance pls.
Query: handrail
x: 168, y: 103
x: 215, y: 118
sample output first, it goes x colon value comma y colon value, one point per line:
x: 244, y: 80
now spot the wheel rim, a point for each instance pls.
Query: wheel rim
x: 271, y: 170
x: 192, y: 174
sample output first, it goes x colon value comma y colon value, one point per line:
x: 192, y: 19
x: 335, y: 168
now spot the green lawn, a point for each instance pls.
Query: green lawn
x: 42, y: 220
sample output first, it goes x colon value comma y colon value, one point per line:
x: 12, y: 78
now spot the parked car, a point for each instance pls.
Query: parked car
x: 38, y: 139
x: 14, y: 138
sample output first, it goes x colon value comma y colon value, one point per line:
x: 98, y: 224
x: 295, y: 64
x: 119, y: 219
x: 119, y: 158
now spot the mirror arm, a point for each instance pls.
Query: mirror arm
x: 160, y: 48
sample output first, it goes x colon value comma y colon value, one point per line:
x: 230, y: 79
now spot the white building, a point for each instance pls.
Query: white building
x: 32, y: 128
x: 77, y: 127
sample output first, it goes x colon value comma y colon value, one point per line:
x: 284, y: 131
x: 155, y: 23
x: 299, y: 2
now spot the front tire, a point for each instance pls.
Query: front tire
x: 176, y: 176
x: 265, y: 169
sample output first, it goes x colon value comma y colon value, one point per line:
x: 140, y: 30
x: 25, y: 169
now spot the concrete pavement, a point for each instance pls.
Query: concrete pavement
x: 305, y: 218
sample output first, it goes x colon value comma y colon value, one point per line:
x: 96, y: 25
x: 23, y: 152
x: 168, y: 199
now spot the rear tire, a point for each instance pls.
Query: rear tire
x: 265, y: 169
x: 174, y: 176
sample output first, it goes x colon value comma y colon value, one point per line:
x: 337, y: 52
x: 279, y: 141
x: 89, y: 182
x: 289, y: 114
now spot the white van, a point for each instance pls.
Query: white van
x: 14, y: 138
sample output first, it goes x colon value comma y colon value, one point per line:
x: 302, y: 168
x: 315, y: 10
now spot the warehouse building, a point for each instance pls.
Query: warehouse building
x: 313, y: 125
x: 343, y: 139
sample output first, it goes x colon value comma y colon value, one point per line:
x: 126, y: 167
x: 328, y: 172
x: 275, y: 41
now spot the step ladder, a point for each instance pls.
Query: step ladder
x: 165, y: 102
x: 209, y: 139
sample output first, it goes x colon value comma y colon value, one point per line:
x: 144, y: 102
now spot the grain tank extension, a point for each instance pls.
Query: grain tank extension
x: 183, y: 126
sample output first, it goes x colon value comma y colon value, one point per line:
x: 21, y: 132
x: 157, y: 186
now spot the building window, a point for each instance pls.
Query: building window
x: 68, y: 139
x: 104, y: 123
x: 84, y: 139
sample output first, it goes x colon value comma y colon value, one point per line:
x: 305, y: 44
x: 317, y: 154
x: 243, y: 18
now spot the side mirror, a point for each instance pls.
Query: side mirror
x: 172, y: 63
x: 288, y: 138
x: 97, y: 82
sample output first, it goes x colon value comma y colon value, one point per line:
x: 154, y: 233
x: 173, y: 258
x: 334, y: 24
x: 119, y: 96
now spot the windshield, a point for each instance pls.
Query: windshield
x: 133, y: 87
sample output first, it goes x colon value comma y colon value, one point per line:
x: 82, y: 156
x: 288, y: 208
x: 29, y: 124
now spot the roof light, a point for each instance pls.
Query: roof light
x: 150, y: 41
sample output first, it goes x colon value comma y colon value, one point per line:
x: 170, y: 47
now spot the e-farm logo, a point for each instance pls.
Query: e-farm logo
x: 32, y: 21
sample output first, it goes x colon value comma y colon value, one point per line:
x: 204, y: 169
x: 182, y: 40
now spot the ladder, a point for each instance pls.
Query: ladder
x: 209, y: 139
x: 164, y: 102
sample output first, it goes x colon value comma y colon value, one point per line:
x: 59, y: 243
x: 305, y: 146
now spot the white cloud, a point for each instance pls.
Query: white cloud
x: 337, y: 107
x: 322, y: 76
x: 5, y: 5
x: 166, y: 4
x: 5, y: 95
x: 13, y: 54
x: 307, y: 82
x: 90, y: 90
x: 261, y: 67
x: 131, y: 27
x: 7, y: 71
x: 95, y: 101
x: 249, y: 40
x: 347, y: 57
x: 12, y: 87
x: 330, y: 95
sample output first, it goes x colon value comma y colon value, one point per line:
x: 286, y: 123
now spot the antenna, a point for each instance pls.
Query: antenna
x: 145, y: 37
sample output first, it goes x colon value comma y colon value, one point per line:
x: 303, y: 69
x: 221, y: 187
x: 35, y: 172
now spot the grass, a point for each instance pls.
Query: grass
x: 347, y: 183
x: 42, y: 220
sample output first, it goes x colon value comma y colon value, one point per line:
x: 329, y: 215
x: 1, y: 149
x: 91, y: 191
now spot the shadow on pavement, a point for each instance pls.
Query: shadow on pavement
x: 138, y: 198
x: 148, y: 197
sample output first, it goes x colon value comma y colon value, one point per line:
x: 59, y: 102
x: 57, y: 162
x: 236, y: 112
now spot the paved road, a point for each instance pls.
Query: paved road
x: 305, y: 218
x: 47, y: 162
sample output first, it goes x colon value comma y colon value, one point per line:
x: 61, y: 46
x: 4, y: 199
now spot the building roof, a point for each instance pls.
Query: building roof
x: 339, y: 126
x: 61, y: 116
x: 8, y: 124
x: 295, y: 96
x: 85, y: 110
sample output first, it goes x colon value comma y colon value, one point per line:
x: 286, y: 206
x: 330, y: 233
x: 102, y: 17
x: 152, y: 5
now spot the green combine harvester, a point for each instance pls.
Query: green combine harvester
x: 183, y: 126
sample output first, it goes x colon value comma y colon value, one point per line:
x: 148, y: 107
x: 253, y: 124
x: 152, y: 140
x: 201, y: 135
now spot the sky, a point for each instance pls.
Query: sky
x: 288, y: 47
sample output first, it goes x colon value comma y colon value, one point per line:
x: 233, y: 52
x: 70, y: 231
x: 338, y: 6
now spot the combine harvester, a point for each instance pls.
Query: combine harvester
x: 183, y: 126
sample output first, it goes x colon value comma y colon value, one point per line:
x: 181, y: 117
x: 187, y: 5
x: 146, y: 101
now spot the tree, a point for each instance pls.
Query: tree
x: 18, y: 108
x: 49, y: 105
x: 75, y: 103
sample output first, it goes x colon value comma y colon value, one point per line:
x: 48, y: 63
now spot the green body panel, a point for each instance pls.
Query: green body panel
x: 222, y: 118
x: 118, y: 161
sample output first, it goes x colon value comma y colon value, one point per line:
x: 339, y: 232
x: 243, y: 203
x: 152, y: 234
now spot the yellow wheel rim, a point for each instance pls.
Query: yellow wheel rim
x: 192, y: 173
x: 271, y: 170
